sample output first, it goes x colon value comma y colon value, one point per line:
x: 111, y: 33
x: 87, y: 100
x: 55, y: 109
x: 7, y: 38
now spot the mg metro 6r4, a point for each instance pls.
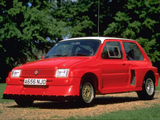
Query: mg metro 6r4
x: 80, y: 68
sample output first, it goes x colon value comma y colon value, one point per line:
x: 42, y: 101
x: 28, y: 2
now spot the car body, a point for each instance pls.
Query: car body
x: 81, y: 68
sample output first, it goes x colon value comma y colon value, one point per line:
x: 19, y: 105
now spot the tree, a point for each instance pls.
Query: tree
x: 25, y: 24
x: 81, y: 16
x: 139, y: 20
x: 29, y: 25
x: 73, y: 13
x: 107, y: 9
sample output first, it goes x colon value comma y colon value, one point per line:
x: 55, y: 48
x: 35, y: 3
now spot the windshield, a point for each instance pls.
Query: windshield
x: 74, y: 48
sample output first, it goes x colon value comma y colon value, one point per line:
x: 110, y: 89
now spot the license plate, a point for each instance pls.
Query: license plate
x: 35, y: 81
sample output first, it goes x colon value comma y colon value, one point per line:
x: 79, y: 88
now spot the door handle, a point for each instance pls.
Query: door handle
x: 124, y: 64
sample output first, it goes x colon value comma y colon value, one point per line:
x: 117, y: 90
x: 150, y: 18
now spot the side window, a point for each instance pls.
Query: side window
x: 132, y: 51
x: 112, y: 50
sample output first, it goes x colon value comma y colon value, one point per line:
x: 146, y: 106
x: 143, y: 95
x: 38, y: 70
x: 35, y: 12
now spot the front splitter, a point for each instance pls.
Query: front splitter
x: 39, y: 97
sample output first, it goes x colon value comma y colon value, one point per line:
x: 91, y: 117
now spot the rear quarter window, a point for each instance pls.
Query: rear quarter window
x: 132, y: 51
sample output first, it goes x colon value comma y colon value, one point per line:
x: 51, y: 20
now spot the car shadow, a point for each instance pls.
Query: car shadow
x: 101, y: 100
x: 114, y: 100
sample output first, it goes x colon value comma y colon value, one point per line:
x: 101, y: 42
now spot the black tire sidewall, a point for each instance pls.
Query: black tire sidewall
x: 81, y: 98
x: 145, y: 94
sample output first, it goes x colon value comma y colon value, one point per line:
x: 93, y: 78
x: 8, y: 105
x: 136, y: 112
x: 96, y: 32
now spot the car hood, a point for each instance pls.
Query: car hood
x: 60, y: 62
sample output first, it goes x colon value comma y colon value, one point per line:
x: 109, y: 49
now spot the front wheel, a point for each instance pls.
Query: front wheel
x: 24, y: 103
x: 87, y: 93
x: 148, y: 89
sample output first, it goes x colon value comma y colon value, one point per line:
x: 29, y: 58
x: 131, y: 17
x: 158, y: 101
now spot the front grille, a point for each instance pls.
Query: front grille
x: 43, y: 73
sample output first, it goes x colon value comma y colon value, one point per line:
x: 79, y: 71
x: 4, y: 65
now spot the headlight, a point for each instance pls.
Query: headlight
x: 16, y: 73
x: 62, y: 73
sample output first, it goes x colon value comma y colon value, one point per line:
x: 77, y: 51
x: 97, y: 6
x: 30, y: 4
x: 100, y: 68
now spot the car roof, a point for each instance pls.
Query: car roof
x: 97, y: 38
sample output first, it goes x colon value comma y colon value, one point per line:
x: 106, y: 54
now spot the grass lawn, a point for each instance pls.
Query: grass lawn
x: 158, y: 88
x: 140, y: 114
x: 2, y: 88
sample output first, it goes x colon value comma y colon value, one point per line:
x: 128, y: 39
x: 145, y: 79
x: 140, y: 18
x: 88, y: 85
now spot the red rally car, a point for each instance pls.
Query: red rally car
x: 80, y: 68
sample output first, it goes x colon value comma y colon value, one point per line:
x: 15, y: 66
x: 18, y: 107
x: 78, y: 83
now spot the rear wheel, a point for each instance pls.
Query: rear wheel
x: 148, y: 89
x: 24, y: 103
x: 87, y: 93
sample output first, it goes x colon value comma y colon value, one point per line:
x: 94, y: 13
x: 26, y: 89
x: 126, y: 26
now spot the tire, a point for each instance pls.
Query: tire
x: 87, y: 93
x: 148, y: 89
x: 24, y: 103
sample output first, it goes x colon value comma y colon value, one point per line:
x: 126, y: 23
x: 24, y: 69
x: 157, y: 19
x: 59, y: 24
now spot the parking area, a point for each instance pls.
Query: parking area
x: 103, y: 104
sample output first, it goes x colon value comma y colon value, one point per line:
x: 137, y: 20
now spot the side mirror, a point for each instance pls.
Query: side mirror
x: 43, y: 57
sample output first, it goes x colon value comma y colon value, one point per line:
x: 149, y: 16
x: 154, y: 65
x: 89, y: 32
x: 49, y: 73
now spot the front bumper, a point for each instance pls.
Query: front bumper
x: 39, y: 97
x: 55, y: 90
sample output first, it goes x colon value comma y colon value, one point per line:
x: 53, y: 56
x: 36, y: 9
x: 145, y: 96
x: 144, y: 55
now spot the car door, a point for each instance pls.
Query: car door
x: 135, y: 59
x: 115, y: 71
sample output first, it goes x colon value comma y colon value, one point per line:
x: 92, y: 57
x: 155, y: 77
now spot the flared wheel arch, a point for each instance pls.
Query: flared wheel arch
x: 143, y: 94
x: 92, y: 77
x: 91, y: 81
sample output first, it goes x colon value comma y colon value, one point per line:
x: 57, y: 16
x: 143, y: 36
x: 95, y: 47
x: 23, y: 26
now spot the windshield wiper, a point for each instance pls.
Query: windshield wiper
x: 80, y: 54
x: 50, y: 56
x: 61, y: 55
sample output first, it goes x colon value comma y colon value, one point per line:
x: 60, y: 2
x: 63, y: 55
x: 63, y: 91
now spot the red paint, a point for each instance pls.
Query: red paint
x: 113, y: 75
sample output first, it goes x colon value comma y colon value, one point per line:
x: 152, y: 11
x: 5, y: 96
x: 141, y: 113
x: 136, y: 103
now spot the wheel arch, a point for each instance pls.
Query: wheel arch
x: 151, y: 74
x: 144, y: 94
x: 92, y: 77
